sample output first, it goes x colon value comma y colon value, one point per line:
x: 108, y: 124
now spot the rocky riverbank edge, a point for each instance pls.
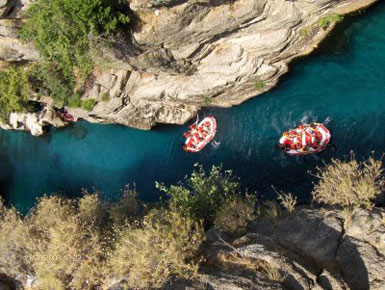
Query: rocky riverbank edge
x: 220, y: 56
x: 306, y: 249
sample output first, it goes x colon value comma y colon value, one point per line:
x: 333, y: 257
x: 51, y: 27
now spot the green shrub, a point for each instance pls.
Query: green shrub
x: 304, y: 32
x: 235, y: 214
x: 48, y: 80
x: 61, y: 30
x: 14, y: 91
x: 105, y: 97
x: 74, y: 101
x: 259, y: 85
x: 349, y: 184
x: 330, y: 19
x: 166, y: 245
x: 202, y: 194
x: 207, y: 100
x: 88, y: 104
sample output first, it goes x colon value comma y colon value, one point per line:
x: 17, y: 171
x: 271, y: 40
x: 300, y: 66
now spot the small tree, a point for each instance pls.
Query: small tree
x: 62, y: 31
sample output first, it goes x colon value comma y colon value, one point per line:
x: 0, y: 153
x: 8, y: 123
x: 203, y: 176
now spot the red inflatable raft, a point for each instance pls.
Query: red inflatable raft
x: 200, y: 135
x: 306, y: 139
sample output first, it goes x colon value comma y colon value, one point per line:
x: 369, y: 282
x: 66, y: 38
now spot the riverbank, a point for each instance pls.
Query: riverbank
x: 231, y: 52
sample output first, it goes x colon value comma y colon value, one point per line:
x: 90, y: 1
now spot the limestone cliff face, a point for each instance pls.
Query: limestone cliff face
x: 186, y: 54
x: 309, y: 249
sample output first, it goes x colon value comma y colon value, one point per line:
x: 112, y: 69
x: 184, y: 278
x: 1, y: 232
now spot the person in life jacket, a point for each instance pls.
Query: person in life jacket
x: 297, y: 141
x: 315, y: 144
x: 187, y: 134
x: 195, y: 140
x: 286, y: 142
x: 300, y: 127
x: 204, y: 132
x: 200, y: 133
x: 306, y: 138
x: 193, y: 129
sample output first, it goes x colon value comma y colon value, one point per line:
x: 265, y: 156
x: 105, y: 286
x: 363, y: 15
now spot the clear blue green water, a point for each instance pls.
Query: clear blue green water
x: 344, y: 83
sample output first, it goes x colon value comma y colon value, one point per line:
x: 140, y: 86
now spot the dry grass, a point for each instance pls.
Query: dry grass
x: 15, y: 239
x: 165, y: 246
x: 64, y: 245
x: 287, y: 201
x: 127, y: 209
x: 274, y: 274
x: 269, y: 208
x: 349, y: 184
x: 228, y: 261
x: 235, y: 214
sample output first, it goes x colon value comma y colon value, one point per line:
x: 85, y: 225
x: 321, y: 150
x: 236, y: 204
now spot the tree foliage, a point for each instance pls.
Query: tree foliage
x: 203, y: 193
x: 61, y: 30
x: 14, y: 91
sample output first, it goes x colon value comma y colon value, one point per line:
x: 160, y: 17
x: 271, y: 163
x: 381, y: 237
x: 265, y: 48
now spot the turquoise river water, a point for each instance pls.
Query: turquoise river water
x: 343, y: 84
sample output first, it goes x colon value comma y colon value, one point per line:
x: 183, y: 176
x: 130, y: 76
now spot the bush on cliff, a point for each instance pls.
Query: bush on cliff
x: 15, y: 239
x: 14, y: 91
x: 165, y: 245
x: 79, y: 244
x: 349, y: 184
x: 202, y: 194
x: 327, y: 20
x: 235, y: 214
x: 62, y: 242
x: 62, y: 30
x: 87, y: 243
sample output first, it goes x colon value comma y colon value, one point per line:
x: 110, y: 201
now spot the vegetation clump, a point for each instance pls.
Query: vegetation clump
x: 62, y: 242
x: 62, y: 31
x: 288, y: 201
x: 304, y: 32
x: 203, y: 194
x: 236, y: 213
x: 88, y: 104
x: 349, y: 184
x: 14, y: 91
x: 327, y: 20
x: 259, y: 85
x: 165, y: 245
x: 105, y: 97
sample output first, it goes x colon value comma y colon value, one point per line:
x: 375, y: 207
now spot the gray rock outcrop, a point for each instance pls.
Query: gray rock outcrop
x: 312, y: 249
